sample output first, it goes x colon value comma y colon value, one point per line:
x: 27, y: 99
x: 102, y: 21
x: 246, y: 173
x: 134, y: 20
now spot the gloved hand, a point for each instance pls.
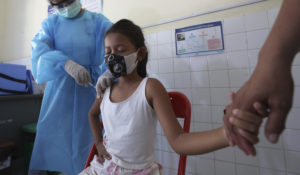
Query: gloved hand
x: 78, y: 72
x: 104, y: 81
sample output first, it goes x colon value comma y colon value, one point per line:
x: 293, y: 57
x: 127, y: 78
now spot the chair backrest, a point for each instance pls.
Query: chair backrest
x: 182, y: 109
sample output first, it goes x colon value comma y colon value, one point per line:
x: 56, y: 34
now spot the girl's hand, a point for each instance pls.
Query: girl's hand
x: 102, y: 153
x: 248, y: 123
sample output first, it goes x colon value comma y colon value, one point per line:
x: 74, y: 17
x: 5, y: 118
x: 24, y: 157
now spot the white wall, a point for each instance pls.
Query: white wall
x: 206, y: 81
x: 22, y: 22
x: 144, y: 12
x: 2, y: 24
x: 248, y: 9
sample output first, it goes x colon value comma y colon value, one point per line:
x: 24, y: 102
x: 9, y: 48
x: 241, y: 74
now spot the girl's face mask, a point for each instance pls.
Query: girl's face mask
x: 121, y: 65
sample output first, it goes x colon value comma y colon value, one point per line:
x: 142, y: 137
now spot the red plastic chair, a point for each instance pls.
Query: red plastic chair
x: 182, y: 109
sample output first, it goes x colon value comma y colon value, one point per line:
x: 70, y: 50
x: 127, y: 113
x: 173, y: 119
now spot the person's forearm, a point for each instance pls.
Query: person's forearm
x: 95, y: 125
x: 283, y: 41
x: 200, y: 142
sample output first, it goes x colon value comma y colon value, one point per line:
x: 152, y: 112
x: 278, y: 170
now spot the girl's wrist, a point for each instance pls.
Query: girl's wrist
x: 100, y: 142
x: 224, y: 135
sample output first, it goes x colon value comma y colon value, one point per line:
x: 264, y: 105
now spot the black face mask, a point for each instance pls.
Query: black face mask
x: 116, y: 64
x: 121, y: 65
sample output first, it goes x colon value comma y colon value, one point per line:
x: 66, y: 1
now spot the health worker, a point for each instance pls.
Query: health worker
x: 68, y: 54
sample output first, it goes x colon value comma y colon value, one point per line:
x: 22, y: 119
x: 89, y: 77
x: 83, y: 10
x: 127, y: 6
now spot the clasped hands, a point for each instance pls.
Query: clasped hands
x: 244, y: 124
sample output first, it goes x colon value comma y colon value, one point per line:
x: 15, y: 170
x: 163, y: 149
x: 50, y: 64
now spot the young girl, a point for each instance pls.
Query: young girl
x: 130, y: 109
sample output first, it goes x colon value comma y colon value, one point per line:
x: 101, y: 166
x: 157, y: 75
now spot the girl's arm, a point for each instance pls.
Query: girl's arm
x: 96, y: 128
x: 95, y: 122
x: 182, y: 143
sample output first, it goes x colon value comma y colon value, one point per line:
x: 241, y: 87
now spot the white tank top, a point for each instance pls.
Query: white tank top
x: 130, y: 129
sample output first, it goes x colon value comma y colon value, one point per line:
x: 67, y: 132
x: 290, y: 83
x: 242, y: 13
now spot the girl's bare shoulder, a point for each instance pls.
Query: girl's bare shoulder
x: 154, y: 87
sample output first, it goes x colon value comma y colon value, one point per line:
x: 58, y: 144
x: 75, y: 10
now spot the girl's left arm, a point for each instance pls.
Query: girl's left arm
x: 183, y: 143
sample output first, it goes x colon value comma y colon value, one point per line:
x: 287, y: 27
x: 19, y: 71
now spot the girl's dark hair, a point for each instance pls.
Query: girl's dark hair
x: 135, y: 35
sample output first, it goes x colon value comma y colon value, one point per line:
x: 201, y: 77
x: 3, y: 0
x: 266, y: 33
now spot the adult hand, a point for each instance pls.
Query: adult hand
x: 272, y: 85
x: 251, y: 118
x: 78, y: 72
x: 104, y: 81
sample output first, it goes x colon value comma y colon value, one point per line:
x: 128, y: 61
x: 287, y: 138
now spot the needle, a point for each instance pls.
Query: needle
x: 91, y: 85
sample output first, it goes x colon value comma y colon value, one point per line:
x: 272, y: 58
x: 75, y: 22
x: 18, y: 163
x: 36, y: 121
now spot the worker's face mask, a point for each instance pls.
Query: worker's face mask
x: 121, y: 65
x: 70, y: 11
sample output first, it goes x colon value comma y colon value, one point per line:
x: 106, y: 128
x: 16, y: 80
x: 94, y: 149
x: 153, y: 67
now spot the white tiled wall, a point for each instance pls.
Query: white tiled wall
x: 207, y: 80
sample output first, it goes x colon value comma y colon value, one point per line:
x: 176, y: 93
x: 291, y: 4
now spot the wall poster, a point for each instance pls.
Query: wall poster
x: 199, y: 39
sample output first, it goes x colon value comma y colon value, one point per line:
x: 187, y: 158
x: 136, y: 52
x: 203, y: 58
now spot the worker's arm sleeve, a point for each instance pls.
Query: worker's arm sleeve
x: 47, y: 63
